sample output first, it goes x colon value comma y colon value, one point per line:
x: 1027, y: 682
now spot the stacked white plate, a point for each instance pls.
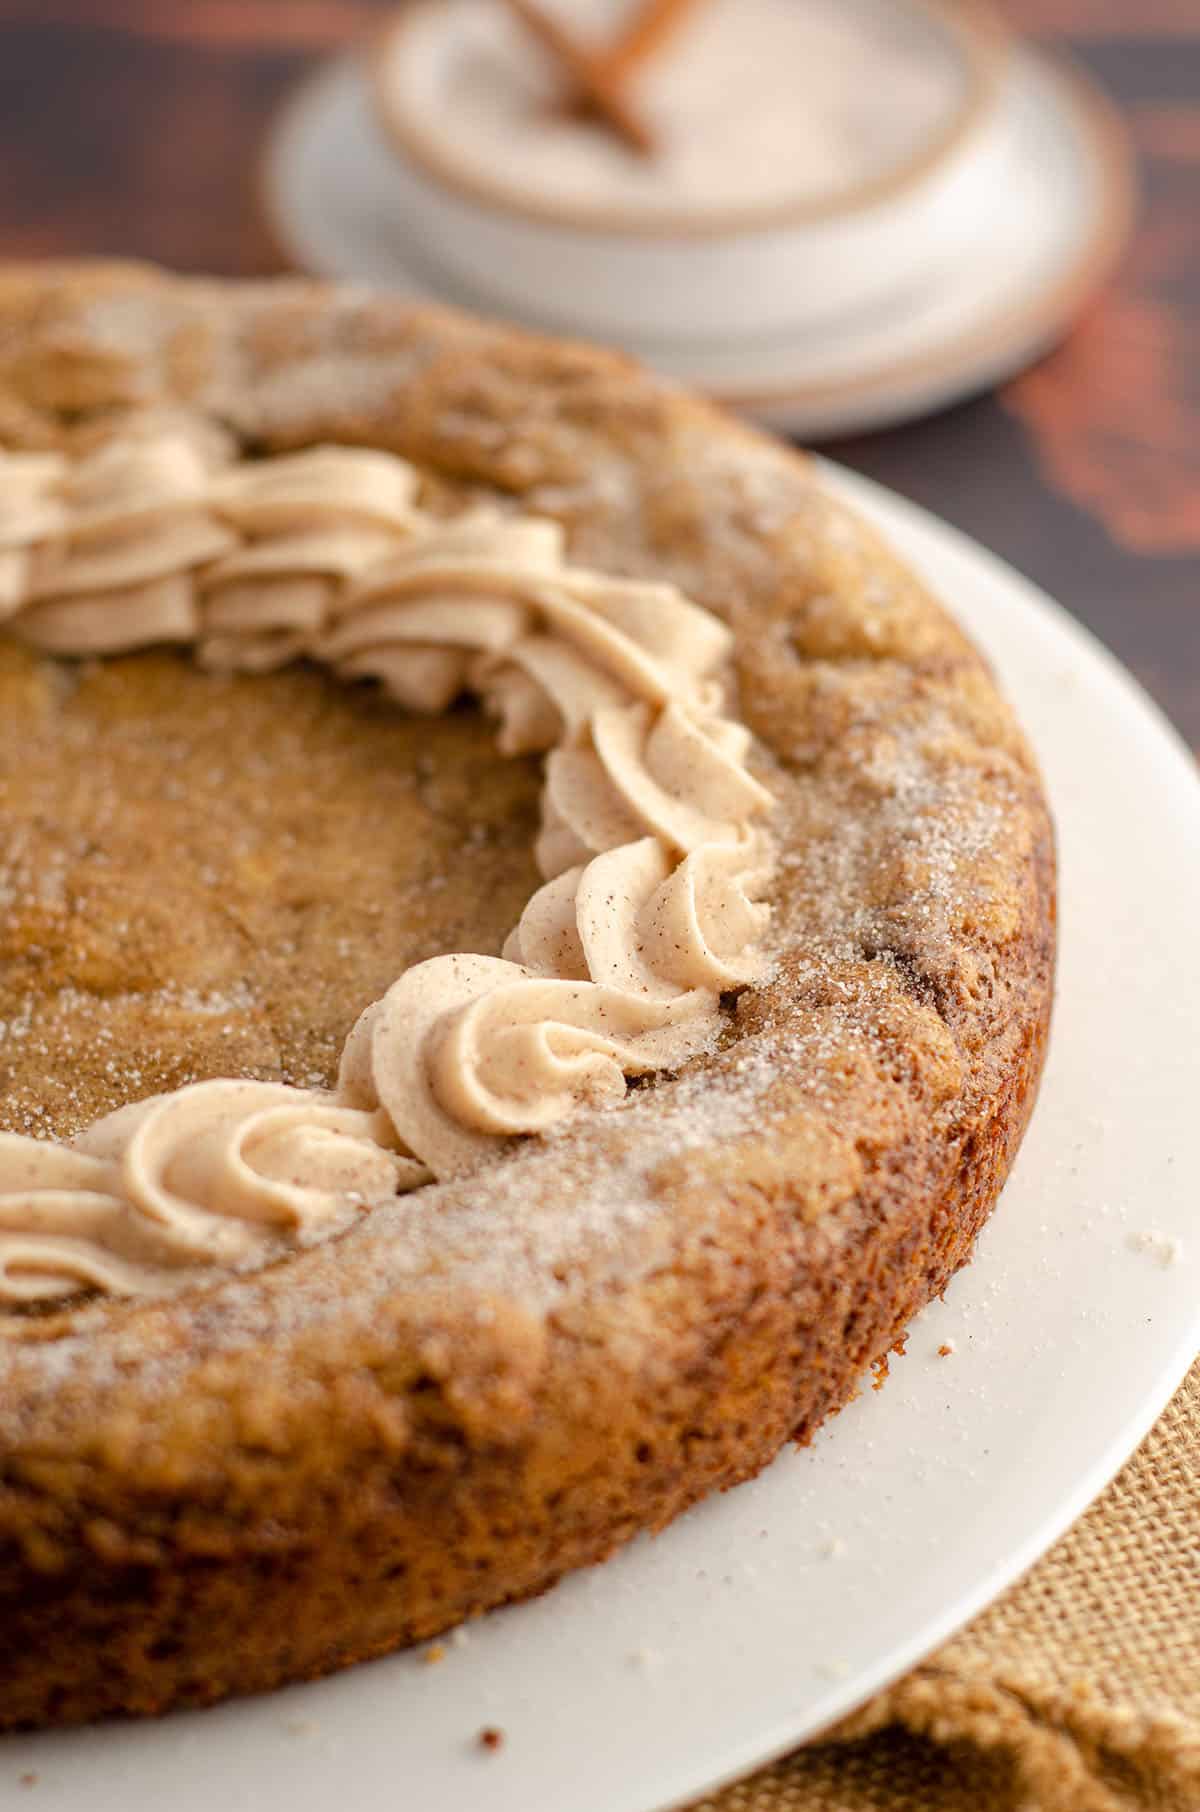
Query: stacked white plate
x: 825, y: 316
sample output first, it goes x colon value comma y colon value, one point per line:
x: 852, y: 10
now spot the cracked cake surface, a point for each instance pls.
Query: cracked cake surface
x: 503, y: 1376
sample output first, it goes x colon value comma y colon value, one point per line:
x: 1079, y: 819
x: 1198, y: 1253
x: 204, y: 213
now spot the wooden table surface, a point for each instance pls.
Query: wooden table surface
x: 132, y: 127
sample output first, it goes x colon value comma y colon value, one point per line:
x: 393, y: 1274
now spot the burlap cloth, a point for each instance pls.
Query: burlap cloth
x: 1079, y: 1691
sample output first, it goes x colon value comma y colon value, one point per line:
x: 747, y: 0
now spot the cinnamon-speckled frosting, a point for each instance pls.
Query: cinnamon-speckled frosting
x: 651, y: 844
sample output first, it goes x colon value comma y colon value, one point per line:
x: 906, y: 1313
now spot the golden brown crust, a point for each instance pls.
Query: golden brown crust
x: 462, y: 1399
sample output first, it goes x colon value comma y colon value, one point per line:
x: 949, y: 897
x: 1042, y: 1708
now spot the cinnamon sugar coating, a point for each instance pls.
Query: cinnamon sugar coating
x: 477, y: 1389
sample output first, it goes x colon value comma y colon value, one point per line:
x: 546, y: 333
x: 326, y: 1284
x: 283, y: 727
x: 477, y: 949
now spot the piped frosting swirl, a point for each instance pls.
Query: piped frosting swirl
x: 651, y: 843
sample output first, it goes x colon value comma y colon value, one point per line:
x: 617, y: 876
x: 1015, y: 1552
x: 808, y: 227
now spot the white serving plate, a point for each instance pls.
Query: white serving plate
x: 764, y: 1615
x: 333, y: 196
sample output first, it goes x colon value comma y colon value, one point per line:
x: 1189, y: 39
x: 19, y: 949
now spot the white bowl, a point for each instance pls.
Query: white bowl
x: 693, y: 268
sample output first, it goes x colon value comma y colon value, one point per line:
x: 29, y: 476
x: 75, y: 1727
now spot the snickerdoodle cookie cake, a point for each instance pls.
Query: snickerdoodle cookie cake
x: 525, y: 953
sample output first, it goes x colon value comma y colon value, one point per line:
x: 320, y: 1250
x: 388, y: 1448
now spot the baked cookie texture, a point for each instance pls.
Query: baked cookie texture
x: 497, y: 1379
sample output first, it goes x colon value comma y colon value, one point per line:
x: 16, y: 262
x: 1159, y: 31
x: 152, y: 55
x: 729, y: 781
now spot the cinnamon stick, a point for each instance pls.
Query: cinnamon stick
x: 651, y: 26
x: 589, y: 75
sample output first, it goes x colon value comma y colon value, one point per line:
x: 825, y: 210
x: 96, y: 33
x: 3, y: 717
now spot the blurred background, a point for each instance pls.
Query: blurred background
x: 135, y: 128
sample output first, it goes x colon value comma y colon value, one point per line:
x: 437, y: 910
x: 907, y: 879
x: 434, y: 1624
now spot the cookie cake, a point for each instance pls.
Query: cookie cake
x: 526, y: 943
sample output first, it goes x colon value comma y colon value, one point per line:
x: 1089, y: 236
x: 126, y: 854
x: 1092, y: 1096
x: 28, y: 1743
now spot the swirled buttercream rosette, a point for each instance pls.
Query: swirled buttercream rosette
x: 312, y: 523
x: 632, y: 920
x: 465, y: 1050
x: 679, y: 777
x: 217, y: 1172
x: 652, y: 841
x: 488, y: 603
x: 418, y: 621
x: 31, y: 511
x: 118, y: 571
